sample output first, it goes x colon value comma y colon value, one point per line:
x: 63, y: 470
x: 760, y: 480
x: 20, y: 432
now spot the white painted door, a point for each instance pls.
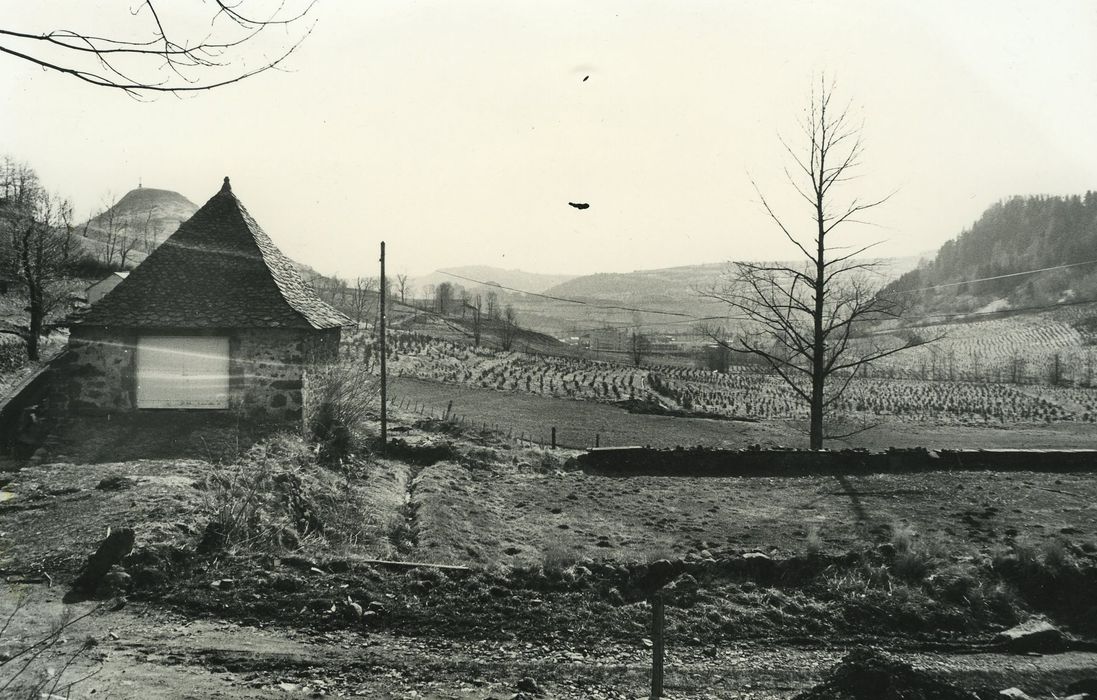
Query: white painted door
x: 182, y: 372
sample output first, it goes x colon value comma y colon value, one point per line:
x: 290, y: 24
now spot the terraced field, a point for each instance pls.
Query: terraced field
x: 742, y: 393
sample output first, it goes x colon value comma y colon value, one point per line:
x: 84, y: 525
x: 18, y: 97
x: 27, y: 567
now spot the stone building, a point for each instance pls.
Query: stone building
x: 216, y: 318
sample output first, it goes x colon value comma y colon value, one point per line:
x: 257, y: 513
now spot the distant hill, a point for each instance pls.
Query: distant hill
x: 124, y: 233
x: 1017, y: 235
x: 517, y: 279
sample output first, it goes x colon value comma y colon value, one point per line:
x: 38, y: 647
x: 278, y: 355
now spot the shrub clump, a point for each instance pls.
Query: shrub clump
x: 277, y: 497
x: 340, y: 398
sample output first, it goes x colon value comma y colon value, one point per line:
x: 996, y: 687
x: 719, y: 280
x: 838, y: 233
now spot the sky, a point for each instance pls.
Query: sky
x: 459, y: 131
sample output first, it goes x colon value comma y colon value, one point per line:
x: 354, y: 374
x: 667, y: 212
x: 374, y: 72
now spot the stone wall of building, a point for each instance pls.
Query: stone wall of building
x: 267, y: 369
x: 97, y: 372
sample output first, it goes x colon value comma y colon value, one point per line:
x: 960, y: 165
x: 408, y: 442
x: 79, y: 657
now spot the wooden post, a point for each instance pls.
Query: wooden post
x: 384, y: 353
x: 657, y: 645
x: 597, y: 439
x: 554, y: 437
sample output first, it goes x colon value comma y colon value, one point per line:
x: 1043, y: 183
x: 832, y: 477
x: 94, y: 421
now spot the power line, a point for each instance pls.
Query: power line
x: 995, y: 277
x: 569, y: 301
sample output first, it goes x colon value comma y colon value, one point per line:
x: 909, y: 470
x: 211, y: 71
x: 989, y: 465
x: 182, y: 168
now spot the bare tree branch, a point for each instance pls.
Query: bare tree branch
x: 164, y: 63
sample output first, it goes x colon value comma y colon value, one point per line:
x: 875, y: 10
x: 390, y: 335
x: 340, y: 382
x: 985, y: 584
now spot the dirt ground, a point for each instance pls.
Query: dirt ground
x: 549, y: 548
x: 143, y: 651
x: 649, y: 517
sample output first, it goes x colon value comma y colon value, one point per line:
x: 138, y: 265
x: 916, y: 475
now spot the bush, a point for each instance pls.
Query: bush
x: 340, y: 397
x: 277, y: 497
x: 259, y: 503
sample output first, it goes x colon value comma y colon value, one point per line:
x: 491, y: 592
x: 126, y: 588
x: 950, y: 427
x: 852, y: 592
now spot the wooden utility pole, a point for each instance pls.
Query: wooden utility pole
x: 657, y: 645
x: 384, y: 355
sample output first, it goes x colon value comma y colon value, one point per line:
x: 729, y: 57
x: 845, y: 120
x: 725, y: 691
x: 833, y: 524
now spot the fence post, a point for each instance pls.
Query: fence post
x: 554, y: 437
x: 597, y: 439
x: 657, y: 645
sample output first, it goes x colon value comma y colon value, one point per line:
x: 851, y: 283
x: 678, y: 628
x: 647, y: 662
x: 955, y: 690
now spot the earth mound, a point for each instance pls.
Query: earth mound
x: 868, y: 674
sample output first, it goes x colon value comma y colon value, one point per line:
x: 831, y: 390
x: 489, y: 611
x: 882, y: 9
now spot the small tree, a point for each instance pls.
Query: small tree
x: 402, y: 286
x: 638, y: 348
x: 802, y: 319
x: 477, y: 325
x: 509, y: 328
x: 493, y: 305
x: 363, y: 297
x: 443, y: 297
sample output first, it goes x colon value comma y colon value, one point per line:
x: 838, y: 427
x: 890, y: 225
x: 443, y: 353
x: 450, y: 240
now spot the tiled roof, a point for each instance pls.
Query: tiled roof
x: 219, y: 270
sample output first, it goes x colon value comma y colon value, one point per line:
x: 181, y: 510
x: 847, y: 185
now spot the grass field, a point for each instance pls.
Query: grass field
x: 578, y: 422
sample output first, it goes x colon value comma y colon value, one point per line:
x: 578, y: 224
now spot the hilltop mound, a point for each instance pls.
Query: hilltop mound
x: 145, y: 210
x: 131, y: 228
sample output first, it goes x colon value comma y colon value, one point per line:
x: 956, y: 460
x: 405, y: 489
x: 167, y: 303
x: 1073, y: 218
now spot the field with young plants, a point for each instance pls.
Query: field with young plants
x: 741, y: 393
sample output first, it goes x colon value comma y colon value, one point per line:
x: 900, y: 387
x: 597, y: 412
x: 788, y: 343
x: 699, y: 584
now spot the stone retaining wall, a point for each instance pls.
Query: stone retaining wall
x: 706, y: 462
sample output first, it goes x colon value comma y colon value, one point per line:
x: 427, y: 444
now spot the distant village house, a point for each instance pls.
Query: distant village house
x: 97, y: 291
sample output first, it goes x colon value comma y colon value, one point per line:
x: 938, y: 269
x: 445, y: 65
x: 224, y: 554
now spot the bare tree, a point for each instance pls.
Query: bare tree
x: 476, y: 306
x: 37, y: 247
x: 108, y: 231
x: 402, y: 285
x: 509, y: 328
x: 127, y: 242
x: 148, y: 235
x: 493, y: 304
x: 443, y: 297
x: 803, y: 319
x: 638, y: 347
x: 169, y: 47
x: 363, y: 297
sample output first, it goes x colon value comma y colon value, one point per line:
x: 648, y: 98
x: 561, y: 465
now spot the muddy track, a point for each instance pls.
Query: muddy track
x: 405, y: 535
x: 145, y: 651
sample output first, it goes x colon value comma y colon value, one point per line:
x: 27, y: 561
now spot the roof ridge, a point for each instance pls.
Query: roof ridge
x: 284, y: 273
x: 219, y: 269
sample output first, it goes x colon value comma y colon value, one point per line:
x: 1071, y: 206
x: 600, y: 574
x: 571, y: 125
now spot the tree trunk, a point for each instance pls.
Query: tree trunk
x: 818, y: 345
x: 35, y: 328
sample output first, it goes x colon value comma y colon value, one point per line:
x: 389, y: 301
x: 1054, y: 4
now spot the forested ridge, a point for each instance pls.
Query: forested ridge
x: 1016, y: 235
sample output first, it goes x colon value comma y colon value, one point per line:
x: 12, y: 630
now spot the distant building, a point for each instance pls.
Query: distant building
x: 216, y: 318
x: 97, y: 291
x: 604, y: 340
x: 663, y: 343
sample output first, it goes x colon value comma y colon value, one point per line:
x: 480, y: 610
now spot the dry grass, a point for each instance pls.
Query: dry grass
x: 515, y: 513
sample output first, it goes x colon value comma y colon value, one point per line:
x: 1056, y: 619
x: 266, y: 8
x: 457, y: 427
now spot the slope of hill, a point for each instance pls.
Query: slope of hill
x: 518, y: 279
x: 159, y: 212
x: 1014, y: 236
x: 124, y: 233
